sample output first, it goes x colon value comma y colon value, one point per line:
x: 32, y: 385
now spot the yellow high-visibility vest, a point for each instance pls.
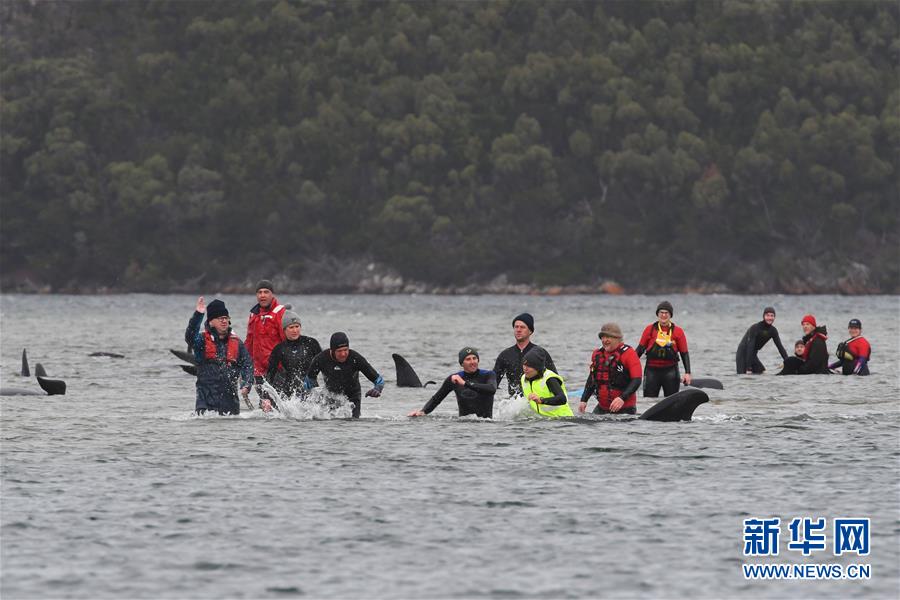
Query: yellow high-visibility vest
x: 539, y: 387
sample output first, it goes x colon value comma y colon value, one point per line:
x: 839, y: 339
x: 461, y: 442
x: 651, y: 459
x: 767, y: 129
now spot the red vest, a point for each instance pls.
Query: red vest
x: 612, y: 375
x: 231, y: 354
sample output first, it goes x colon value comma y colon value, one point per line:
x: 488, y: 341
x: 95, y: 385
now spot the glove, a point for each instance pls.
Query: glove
x: 375, y: 392
x: 860, y: 363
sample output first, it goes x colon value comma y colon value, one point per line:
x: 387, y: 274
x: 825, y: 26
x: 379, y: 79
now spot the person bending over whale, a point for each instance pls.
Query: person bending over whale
x: 509, y: 362
x: 664, y: 341
x: 290, y: 360
x: 341, y: 367
x: 757, y: 336
x: 474, y: 388
x: 853, y: 354
x: 222, y: 360
x: 544, y: 389
x: 615, y: 374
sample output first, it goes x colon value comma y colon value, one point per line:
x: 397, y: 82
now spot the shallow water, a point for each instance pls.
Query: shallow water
x: 115, y: 491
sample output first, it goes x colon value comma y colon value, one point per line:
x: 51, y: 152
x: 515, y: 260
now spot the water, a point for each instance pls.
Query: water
x: 115, y: 491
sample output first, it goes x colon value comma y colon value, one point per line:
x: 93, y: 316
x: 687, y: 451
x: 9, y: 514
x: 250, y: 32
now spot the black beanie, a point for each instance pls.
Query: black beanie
x: 216, y: 309
x: 534, y: 358
x: 339, y: 340
x: 665, y: 305
x: 466, y: 352
x: 265, y: 284
x: 525, y: 318
x: 768, y: 310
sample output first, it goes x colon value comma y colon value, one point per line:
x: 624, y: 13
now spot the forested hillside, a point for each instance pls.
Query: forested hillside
x: 753, y: 144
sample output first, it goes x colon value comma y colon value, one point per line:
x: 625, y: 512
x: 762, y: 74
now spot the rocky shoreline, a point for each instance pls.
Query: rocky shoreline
x: 358, y: 277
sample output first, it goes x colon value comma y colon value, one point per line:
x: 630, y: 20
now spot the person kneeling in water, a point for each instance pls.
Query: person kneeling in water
x: 792, y: 363
x: 474, y: 388
x: 341, y: 367
x: 615, y: 375
x: 544, y: 389
x: 853, y: 354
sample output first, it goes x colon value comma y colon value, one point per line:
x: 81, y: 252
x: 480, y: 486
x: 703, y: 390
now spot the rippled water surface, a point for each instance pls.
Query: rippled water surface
x: 115, y: 491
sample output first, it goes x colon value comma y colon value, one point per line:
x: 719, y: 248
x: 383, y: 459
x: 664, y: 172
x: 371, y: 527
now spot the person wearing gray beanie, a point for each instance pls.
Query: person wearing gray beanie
x: 664, y: 342
x: 757, y: 336
x: 474, y: 388
x: 290, y: 360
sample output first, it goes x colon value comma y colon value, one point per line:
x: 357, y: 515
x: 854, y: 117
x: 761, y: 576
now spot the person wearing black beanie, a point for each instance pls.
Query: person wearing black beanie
x: 474, y: 388
x: 264, y: 332
x: 341, y: 366
x: 509, y: 361
x: 664, y: 342
x: 757, y: 336
x: 222, y: 360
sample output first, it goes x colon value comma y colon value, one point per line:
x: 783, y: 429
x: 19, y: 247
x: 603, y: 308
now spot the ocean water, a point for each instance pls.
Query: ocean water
x: 116, y: 491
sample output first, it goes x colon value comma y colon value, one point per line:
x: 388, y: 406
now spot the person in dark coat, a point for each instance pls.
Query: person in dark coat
x: 509, y: 361
x: 474, y: 388
x: 757, y: 336
x: 222, y: 360
x: 815, y: 352
x: 341, y: 367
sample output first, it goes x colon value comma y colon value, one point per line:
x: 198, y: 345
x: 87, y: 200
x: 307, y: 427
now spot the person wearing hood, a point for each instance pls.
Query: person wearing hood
x: 757, y: 336
x: 290, y: 360
x: 544, y: 389
x: 664, y: 341
x: 474, y: 388
x: 264, y: 328
x: 509, y: 361
x: 341, y: 366
x: 222, y: 360
x: 815, y: 353
x: 853, y: 354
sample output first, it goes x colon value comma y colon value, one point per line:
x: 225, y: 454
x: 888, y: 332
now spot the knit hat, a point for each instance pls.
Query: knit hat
x: 768, y: 310
x: 534, y: 358
x: 339, y: 340
x: 525, y: 318
x: 854, y: 323
x: 467, y: 351
x: 809, y: 319
x: 216, y: 309
x: 265, y: 284
x: 611, y: 330
x: 289, y: 318
x: 665, y: 305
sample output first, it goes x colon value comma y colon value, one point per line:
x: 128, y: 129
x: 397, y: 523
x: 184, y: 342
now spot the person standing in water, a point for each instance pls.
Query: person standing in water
x: 854, y: 353
x: 474, y: 388
x: 341, y: 367
x: 757, y: 336
x: 290, y: 360
x: 664, y: 341
x: 264, y: 332
x: 222, y: 360
x: 544, y: 389
x: 615, y: 374
x: 509, y: 362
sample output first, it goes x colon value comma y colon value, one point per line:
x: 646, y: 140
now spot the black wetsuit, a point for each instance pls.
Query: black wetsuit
x: 476, y: 397
x: 294, y: 358
x: 509, y: 363
x: 757, y: 336
x: 343, y: 378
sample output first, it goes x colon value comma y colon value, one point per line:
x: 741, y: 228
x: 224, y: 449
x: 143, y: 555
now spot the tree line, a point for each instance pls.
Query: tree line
x: 144, y: 143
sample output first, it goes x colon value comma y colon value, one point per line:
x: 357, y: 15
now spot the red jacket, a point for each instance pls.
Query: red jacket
x: 609, y: 379
x: 859, y: 347
x: 264, y: 332
x: 659, y: 356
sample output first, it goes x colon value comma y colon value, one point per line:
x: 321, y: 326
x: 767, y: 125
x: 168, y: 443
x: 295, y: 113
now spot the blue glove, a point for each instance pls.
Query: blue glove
x: 308, y: 384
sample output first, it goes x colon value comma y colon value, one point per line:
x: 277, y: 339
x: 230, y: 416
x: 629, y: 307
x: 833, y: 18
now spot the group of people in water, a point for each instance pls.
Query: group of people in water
x: 276, y: 352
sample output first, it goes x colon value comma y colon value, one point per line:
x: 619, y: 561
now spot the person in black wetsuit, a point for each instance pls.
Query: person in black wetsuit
x: 341, y: 367
x: 509, y: 362
x: 474, y: 388
x: 290, y: 360
x: 754, y: 339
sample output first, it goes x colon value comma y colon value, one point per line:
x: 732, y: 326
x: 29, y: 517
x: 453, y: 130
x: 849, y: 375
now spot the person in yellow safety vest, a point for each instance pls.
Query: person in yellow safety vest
x: 544, y: 389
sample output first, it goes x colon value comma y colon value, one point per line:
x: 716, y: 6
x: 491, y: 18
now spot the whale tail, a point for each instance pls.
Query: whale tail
x: 185, y: 356
x: 680, y: 406
x: 26, y: 372
x: 406, y: 375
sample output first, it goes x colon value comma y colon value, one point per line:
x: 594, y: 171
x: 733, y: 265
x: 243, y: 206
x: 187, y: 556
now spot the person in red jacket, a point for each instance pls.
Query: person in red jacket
x: 664, y: 341
x: 853, y: 354
x: 815, y: 352
x: 264, y: 330
x: 615, y: 374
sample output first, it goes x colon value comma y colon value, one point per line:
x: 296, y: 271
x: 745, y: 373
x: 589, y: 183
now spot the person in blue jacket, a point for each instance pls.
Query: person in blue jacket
x: 222, y: 360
